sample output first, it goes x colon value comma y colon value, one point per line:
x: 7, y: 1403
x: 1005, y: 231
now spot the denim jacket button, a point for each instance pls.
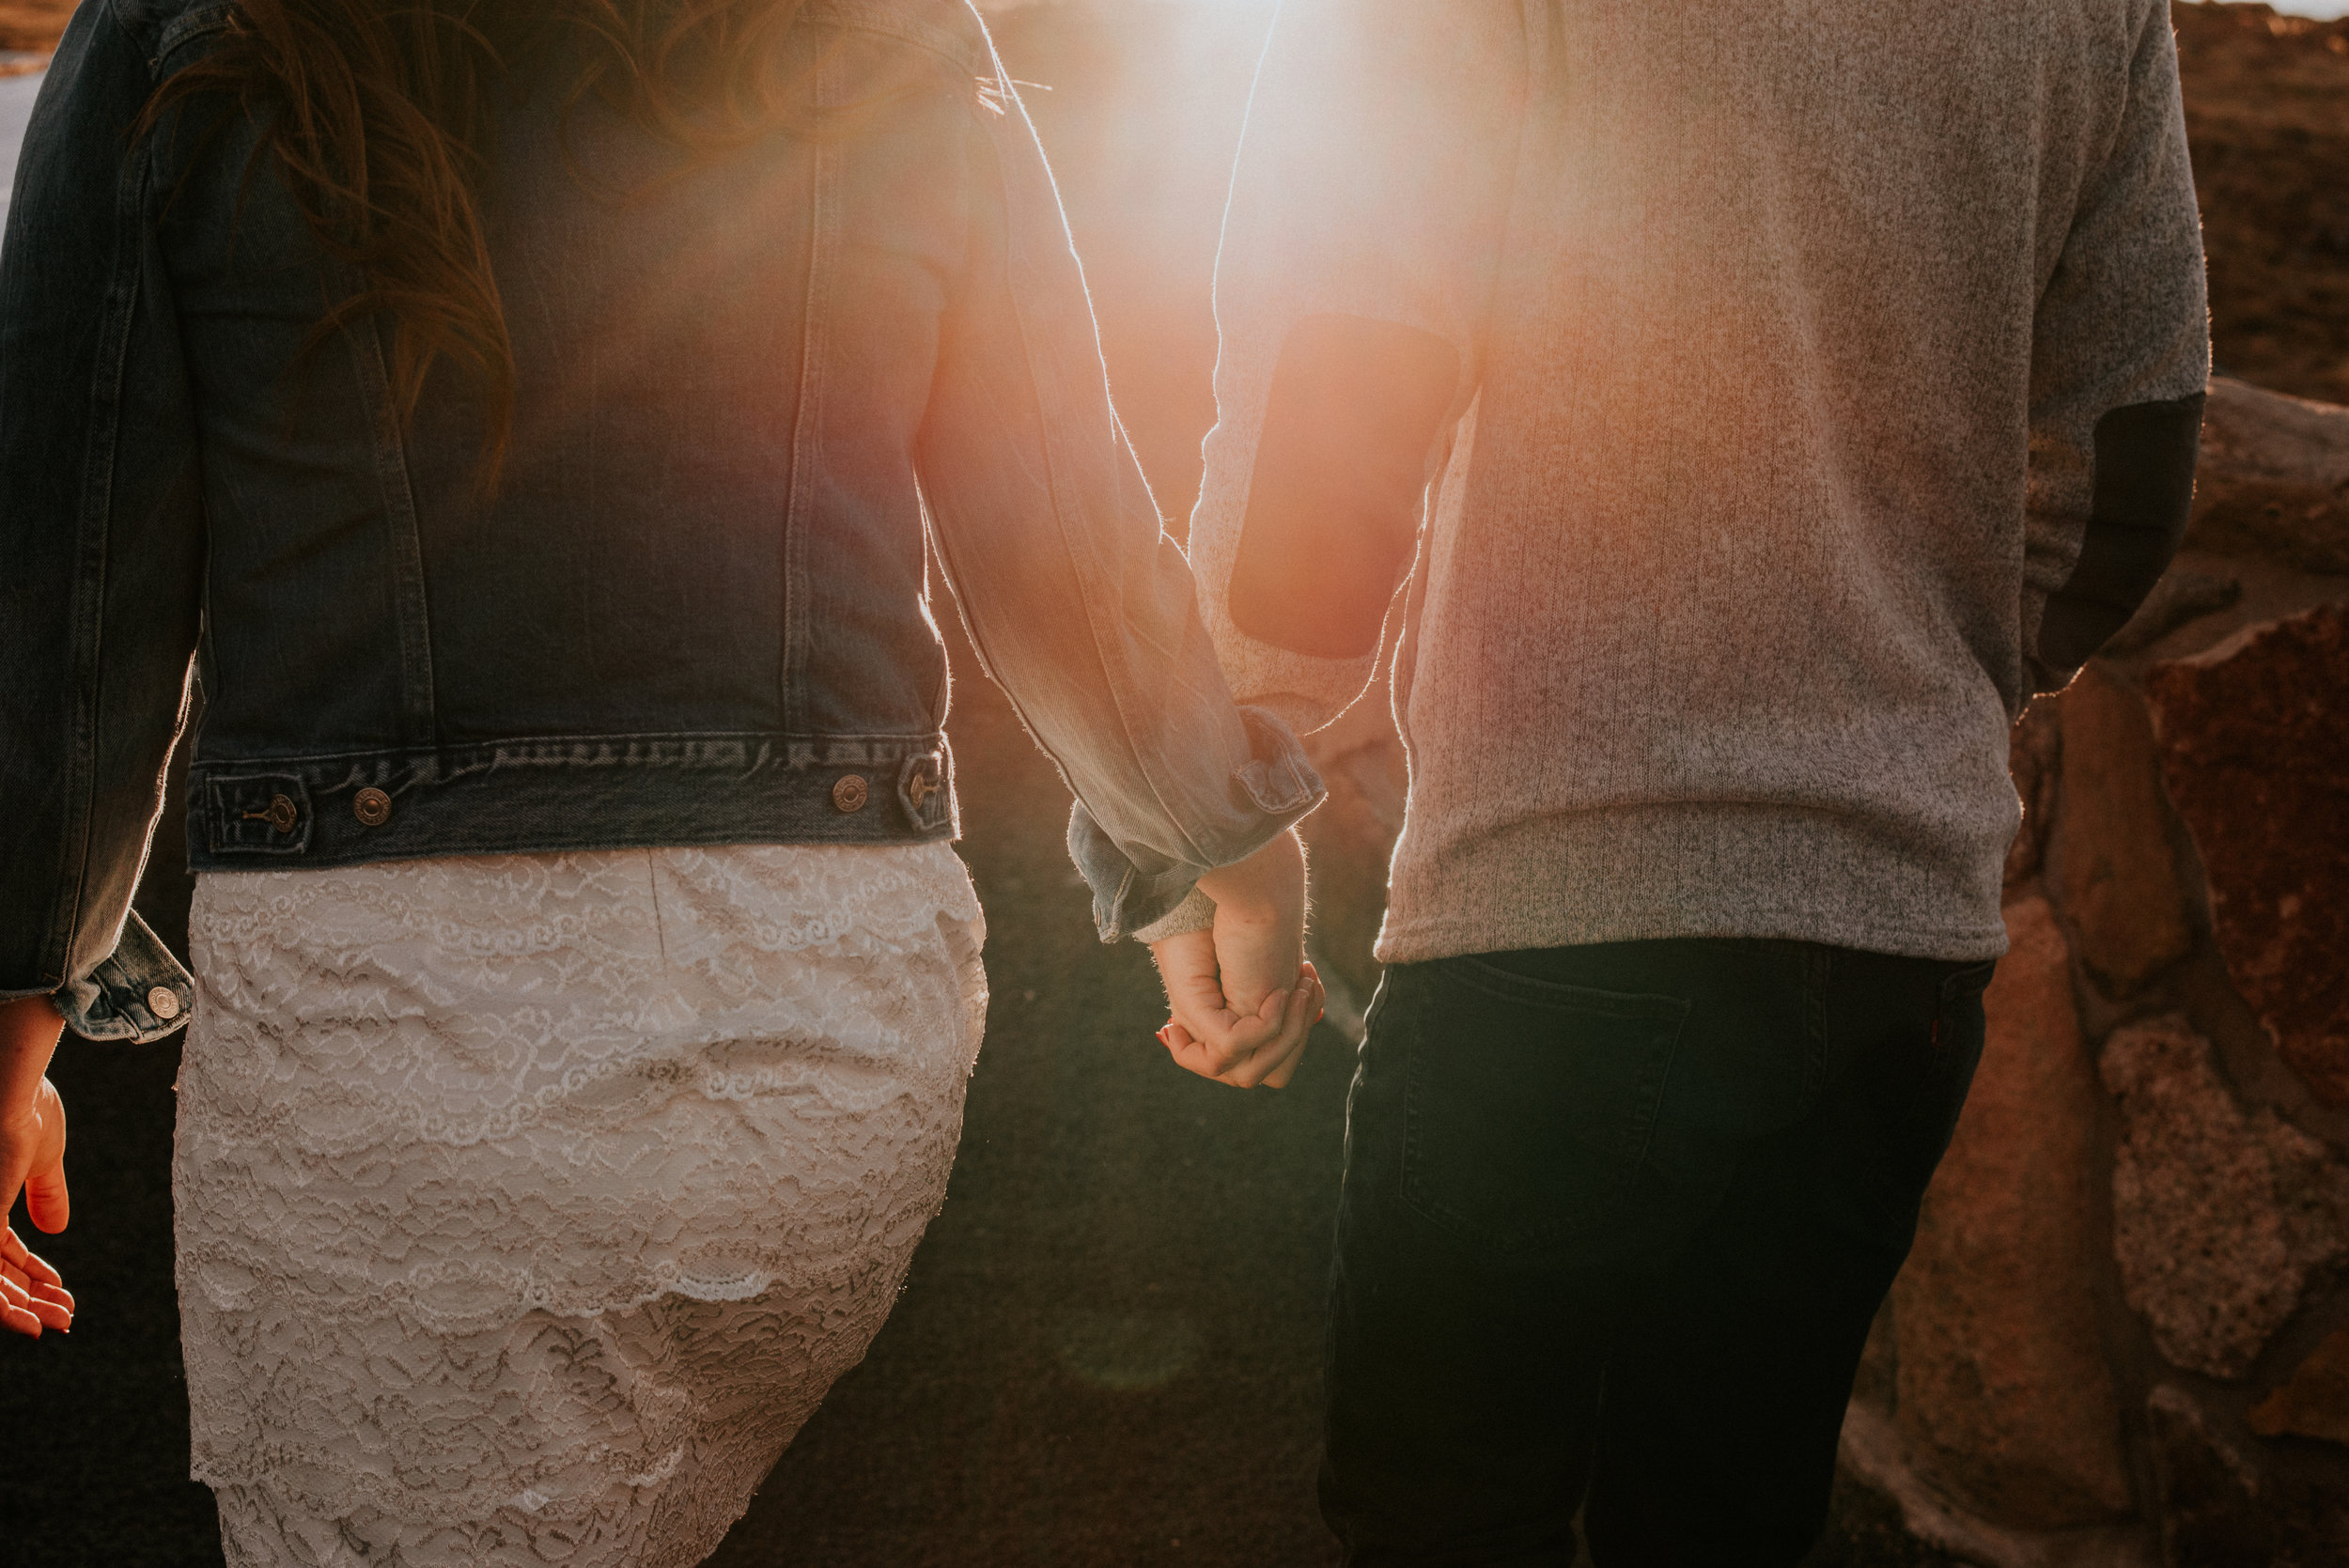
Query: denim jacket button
x: 850, y: 793
x: 282, y: 814
x: 372, y: 807
x: 163, y: 1002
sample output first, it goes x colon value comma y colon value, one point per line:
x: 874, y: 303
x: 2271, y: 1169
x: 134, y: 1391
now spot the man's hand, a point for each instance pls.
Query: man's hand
x: 1243, y: 998
x: 32, y: 1158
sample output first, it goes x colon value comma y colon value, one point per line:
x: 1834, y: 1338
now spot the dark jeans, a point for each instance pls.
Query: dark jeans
x: 1614, y: 1223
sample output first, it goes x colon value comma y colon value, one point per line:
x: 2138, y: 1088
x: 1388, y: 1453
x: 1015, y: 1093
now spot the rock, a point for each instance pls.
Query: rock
x: 2314, y: 1400
x: 2274, y: 478
x: 2221, y: 1218
x: 2210, y: 1503
x: 2218, y: 1511
x: 1886, y: 1512
x: 2000, y: 1376
x: 2255, y: 751
x: 2034, y: 747
x: 2180, y: 597
x: 2119, y: 878
x: 32, y: 24
x: 1875, y: 1381
x: 1868, y: 1527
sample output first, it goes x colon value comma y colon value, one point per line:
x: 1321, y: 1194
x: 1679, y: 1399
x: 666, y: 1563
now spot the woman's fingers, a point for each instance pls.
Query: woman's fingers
x: 30, y: 1286
x: 28, y: 1311
x: 14, y: 1254
x: 14, y: 1318
x: 1215, y: 1058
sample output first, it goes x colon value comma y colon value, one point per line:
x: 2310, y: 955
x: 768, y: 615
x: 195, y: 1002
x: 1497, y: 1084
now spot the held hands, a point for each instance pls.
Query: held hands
x: 1244, y: 999
x: 32, y: 1158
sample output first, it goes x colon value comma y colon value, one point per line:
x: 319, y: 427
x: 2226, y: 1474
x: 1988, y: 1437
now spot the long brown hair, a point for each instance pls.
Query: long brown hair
x: 382, y: 114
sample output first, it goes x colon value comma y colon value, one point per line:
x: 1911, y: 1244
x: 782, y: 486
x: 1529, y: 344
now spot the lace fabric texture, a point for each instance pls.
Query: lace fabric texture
x: 528, y: 1204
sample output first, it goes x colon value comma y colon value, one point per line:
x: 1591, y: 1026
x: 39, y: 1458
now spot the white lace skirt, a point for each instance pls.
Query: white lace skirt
x: 528, y: 1204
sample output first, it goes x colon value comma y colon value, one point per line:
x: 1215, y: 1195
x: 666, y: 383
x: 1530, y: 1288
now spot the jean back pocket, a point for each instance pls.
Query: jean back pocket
x: 1530, y: 1104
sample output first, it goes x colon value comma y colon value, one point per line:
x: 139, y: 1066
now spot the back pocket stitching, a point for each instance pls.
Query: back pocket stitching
x: 1629, y: 1145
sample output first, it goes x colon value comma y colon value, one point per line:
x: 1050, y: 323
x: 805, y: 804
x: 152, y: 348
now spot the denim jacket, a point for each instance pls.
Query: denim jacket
x: 754, y: 390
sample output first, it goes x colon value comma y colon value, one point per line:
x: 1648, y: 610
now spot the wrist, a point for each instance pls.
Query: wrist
x: 1256, y: 887
x: 29, y: 1030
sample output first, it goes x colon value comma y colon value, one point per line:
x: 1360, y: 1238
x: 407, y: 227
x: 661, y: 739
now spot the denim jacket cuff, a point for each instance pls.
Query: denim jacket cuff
x: 137, y: 993
x: 1134, y: 888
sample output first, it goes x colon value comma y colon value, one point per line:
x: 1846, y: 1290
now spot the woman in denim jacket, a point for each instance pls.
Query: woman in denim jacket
x: 526, y: 423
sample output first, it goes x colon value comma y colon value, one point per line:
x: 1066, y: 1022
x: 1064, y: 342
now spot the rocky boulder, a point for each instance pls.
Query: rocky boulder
x: 2222, y: 1217
x: 2220, y: 1508
x: 2314, y: 1401
x: 2001, y: 1382
x: 2274, y: 479
x: 33, y: 25
x: 2255, y: 754
x: 2120, y: 880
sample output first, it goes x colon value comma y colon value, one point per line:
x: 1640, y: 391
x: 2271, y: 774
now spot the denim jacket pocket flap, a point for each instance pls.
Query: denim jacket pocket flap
x: 257, y: 813
x: 1279, y: 779
x: 925, y: 791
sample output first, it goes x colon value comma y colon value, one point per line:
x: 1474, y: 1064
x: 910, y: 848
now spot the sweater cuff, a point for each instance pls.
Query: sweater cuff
x: 1196, y: 913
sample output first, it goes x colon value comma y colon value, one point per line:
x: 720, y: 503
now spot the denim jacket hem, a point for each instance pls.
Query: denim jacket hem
x: 569, y: 792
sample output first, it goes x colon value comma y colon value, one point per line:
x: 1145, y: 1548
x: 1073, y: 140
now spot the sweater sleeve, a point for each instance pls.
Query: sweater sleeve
x: 1366, y: 215
x: 2120, y: 357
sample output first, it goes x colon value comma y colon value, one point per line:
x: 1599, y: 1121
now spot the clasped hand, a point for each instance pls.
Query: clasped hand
x: 1243, y: 998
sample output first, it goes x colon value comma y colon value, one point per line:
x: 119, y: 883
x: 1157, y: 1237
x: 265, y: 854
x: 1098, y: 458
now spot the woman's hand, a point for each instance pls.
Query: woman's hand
x: 32, y: 1296
x: 1243, y: 998
x: 32, y: 1158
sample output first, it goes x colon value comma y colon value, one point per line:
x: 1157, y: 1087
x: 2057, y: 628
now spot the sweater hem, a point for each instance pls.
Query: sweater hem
x: 1420, y: 940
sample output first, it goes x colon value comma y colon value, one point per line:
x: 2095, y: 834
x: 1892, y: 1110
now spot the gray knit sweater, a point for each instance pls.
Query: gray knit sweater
x: 1769, y: 344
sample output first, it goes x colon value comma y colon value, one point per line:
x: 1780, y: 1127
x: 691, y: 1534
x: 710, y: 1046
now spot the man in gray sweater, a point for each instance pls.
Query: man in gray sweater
x: 1722, y: 419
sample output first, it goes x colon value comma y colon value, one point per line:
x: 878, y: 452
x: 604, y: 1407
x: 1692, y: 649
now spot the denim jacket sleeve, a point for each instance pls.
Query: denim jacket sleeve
x: 1079, y: 606
x: 101, y: 544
